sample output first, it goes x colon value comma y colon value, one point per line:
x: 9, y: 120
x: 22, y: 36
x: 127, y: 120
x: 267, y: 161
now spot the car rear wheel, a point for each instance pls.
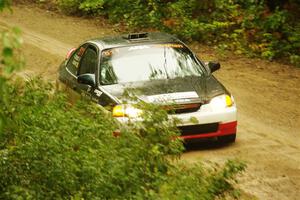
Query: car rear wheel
x: 227, y: 139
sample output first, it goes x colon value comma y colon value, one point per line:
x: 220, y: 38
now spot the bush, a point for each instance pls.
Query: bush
x: 268, y: 29
x: 53, y: 150
x: 4, y: 4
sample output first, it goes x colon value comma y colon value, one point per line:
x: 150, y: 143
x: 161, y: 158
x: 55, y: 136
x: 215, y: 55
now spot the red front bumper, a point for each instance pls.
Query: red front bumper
x: 224, y: 129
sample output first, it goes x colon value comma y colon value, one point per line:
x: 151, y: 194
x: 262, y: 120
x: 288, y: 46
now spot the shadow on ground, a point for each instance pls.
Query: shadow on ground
x: 205, y: 145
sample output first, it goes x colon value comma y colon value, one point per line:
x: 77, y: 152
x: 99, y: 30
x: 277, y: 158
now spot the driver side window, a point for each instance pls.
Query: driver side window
x: 88, y: 62
x: 73, y: 62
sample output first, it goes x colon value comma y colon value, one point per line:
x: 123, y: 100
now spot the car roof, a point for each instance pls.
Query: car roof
x: 134, y: 39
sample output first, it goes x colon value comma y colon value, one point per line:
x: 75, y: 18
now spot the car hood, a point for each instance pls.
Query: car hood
x: 180, y: 90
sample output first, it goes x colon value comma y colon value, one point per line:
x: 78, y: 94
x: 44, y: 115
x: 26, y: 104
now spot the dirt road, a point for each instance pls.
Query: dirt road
x: 267, y: 95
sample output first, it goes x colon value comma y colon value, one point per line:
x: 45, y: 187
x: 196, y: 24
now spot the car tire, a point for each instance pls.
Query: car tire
x: 226, y: 139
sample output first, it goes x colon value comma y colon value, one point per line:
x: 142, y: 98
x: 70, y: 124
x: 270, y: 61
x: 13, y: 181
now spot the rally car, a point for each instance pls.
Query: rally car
x: 163, y: 69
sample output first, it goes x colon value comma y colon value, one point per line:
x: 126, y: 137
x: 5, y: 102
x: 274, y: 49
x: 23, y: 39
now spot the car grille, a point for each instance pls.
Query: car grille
x: 182, y: 108
x: 198, y: 129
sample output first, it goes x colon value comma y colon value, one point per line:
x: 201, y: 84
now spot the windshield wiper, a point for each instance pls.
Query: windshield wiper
x: 165, y: 64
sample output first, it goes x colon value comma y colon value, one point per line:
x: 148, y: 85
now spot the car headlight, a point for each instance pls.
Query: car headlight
x: 222, y: 101
x: 126, y: 111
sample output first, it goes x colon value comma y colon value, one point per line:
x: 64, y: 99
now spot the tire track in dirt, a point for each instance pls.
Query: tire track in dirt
x: 41, y: 41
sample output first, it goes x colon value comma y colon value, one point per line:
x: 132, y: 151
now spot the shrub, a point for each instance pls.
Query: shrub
x: 51, y: 149
x: 267, y: 29
x: 70, y: 6
x: 4, y: 4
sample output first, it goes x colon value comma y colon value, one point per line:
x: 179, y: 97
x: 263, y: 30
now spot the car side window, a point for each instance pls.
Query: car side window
x: 73, y: 62
x: 107, y: 75
x: 88, y: 63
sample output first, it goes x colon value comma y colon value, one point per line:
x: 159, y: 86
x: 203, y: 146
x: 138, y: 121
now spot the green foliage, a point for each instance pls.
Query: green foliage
x: 51, y: 149
x: 200, y: 182
x: 256, y: 28
x: 70, y: 6
x: 10, y: 59
x: 11, y: 56
x: 295, y: 59
x: 4, y: 4
x: 90, y: 5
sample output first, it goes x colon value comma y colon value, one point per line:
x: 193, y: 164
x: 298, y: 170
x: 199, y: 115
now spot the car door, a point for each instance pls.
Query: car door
x: 67, y: 78
x: 87, y: 67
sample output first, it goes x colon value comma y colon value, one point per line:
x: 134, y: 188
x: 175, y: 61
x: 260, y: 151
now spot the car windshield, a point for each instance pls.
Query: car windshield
x: 147, y: 62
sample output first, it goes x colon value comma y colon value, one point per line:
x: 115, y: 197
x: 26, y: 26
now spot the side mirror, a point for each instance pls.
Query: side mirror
x: 213, y: 66
x: 87, y: 79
